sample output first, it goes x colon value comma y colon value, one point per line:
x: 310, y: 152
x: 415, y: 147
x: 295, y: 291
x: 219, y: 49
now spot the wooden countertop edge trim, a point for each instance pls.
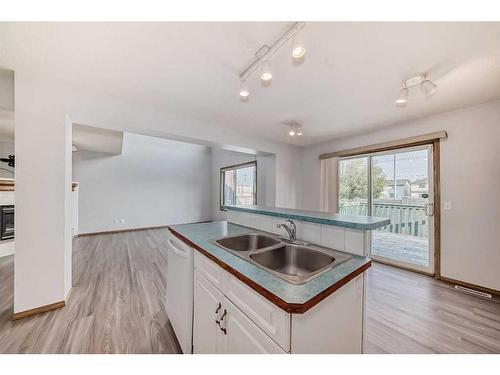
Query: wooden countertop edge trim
x: 38, y: 310
x: 8, y: 185
x: 292, y: 308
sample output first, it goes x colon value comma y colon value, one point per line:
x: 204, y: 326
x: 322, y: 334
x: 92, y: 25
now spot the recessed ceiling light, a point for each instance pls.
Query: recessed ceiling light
x: 291, y: 133
x: 299, y: 131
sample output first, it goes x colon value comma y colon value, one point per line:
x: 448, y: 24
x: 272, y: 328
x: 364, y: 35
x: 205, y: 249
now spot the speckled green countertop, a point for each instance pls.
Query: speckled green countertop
x: 200, y: 234
x: 326, y: 218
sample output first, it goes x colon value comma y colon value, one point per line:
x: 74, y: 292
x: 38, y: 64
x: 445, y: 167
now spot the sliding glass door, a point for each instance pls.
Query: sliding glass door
x: 354, y: 186
x: 397, y: 185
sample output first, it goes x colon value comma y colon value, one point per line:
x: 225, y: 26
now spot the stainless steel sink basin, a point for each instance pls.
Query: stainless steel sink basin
x: 292, y: 260
x: 297, y: 263
x: 247, y: 242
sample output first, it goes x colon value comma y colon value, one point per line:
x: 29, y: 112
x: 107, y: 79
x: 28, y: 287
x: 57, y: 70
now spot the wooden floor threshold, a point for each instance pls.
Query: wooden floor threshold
x: 38, y: 310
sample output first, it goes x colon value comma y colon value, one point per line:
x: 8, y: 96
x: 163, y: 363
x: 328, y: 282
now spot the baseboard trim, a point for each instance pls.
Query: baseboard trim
x: 469, y: 285
x: 403, y: 267
x: 119, y: 231
x: 38, y: 310
x: 134, y: 229
x: 444, y: 279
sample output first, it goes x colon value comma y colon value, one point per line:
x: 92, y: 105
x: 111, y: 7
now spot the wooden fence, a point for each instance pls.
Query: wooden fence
x: 405, y: 218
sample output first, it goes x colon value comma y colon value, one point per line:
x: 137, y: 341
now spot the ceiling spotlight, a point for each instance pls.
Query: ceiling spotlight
x: 291, y: 133
x: 428, y: 87
x: 403, y: 97
x: 298, y: 49
x: 299, y: 131
x: 244, y: 92
x: 266, y: 74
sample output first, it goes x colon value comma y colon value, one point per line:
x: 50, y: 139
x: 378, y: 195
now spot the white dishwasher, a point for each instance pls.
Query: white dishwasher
x: 180, y: 291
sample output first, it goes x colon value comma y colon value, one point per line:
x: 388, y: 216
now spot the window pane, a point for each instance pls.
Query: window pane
x: 229, y: 187
x: 353, y: 186
x: 239, y: 186
x: 245, y: 186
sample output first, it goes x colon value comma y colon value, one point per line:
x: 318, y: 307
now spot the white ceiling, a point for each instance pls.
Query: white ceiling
x: 347, y: 84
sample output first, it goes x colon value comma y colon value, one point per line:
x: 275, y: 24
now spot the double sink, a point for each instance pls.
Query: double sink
x: 293, y: 261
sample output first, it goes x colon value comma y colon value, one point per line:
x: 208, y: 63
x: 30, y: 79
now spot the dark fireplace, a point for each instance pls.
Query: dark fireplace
x: 6, y: 222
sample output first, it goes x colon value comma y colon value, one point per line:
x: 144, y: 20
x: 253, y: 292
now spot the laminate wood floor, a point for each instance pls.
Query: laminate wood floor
x: 411, y: 313
x: 117, y: 305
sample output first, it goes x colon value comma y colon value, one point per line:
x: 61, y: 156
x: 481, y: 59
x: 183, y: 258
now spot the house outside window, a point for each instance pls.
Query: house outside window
x: 238, y: 185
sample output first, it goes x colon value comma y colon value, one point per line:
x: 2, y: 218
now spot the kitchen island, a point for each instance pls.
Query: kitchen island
x: 241, y: 307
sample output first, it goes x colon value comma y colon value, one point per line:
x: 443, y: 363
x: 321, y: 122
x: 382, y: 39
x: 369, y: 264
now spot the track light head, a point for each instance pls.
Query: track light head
x: 298, y: 49
x: 403, y: 97
x: 428, y: 87
x: 266, y: 76
x: 244, y: 92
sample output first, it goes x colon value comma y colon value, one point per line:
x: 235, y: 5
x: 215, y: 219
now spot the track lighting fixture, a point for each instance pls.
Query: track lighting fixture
x: 428, y: 87
x: 264, y: 54
x: 294, y: 129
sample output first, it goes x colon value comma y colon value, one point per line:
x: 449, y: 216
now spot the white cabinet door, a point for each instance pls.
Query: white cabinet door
x: 208, y: 308
x: 179, y: 298
x: 242, y: 336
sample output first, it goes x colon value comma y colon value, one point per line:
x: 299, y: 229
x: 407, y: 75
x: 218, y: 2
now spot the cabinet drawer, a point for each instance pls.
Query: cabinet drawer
x: 269, y: 317
x: 209, y: 269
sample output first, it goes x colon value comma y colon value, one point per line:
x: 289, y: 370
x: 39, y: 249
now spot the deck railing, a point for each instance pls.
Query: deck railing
x: 406, y: 218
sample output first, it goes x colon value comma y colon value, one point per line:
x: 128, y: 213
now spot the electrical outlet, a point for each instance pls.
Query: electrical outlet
x: 447, y: 206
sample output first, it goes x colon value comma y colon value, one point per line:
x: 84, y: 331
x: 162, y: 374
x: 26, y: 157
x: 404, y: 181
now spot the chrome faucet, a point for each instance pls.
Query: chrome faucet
x: 291, y: 229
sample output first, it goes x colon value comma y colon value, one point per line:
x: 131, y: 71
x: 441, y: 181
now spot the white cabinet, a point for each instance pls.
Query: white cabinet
x: 207, y: 311
x: 335, y: 325
x: 179, y: 296
x: 231, y: 317
x: 242, y: 336
x: 220, y: 327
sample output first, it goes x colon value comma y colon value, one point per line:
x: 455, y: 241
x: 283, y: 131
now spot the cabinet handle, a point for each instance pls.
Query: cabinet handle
x: 217, y: 313
x: 223, y: 329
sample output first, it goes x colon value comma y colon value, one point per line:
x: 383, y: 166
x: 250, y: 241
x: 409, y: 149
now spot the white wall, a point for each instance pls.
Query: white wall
x: 470, y: 180
x: 6, y: 149
x: 153, y: 182
x: 42, y: 217
x: 266, y: 177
